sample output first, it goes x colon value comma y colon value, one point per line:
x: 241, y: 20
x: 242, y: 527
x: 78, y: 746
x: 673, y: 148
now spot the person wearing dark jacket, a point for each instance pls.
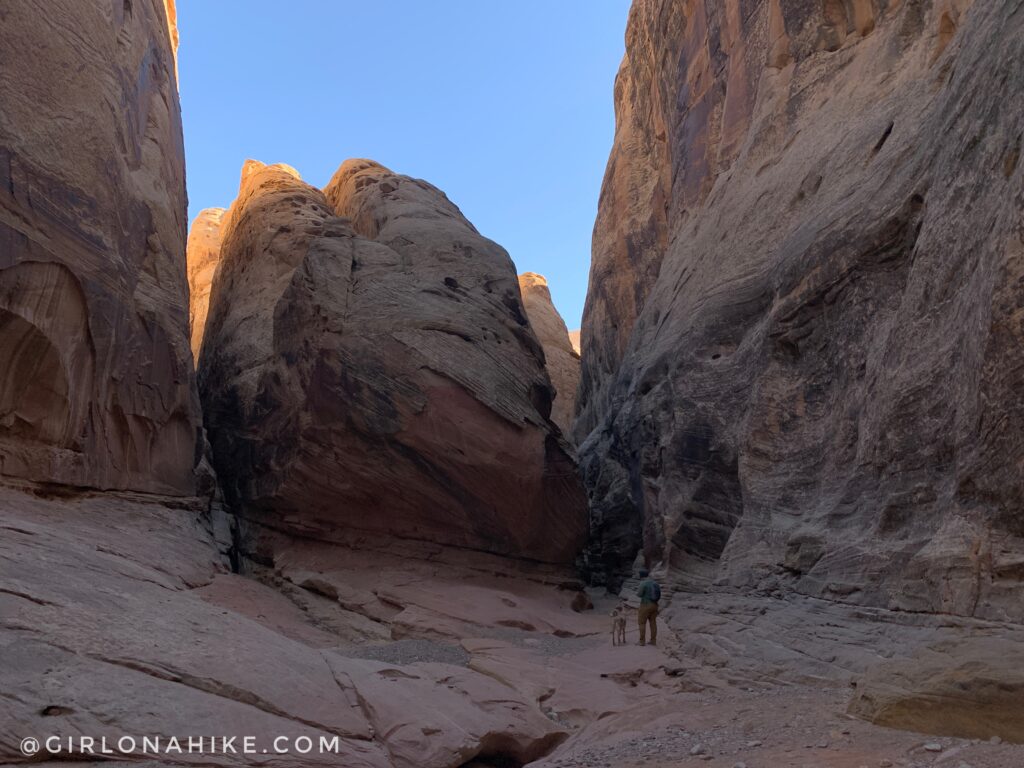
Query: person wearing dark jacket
x: 649, y: 593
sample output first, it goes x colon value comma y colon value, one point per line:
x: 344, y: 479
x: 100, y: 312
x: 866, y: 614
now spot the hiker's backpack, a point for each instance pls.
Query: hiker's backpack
x: 655, y: 591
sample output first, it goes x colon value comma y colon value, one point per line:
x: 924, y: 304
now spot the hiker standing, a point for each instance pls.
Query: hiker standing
x: 650, y: 594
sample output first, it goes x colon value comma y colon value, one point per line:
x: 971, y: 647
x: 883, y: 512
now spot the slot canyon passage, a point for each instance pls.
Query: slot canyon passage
x: 326, y: 466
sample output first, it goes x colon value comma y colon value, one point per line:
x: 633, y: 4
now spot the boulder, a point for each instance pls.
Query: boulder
x: 98, y: 389
x: 803, y: 336
x: 561, y: 357
x: 367, y: 365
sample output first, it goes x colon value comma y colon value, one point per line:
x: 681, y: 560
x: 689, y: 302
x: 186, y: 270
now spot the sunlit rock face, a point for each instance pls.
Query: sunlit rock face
x: 97, y: 389
x: 203, y: 256
x: 561, y: 360
x: 803, y: 352
x: 367, y: 366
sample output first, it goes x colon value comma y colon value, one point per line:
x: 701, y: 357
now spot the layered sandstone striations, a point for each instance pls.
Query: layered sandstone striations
x: 561, y: 359
x: 367, y: 366
x: 803, y: 347
x: 98, y: 388
x: 203, y: 255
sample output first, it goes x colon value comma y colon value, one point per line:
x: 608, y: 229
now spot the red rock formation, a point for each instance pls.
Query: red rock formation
x: 98, y: 388
x: 202, y: 256
x: 561, y: 359
x: 367, y: 365
x: 627, y: 246
x: 803, y: 341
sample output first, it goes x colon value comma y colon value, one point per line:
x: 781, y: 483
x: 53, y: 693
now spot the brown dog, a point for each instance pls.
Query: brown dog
x: 619, y: 625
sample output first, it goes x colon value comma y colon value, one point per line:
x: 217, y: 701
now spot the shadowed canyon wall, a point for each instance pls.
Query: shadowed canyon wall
x: 98, y: 388
x: 367, y: 365
x: 802, y: 345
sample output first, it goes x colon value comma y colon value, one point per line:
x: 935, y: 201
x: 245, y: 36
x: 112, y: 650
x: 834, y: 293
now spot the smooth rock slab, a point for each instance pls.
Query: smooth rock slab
x: 969, y: 687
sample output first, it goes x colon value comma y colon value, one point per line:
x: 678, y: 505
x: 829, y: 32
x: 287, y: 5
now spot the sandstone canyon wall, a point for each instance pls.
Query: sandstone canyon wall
x: 561, y: 359
x: 203, y: 256
x: 367, y: 366
x: 98, y: 389
x: 118, y: 613
x: 802, y: 346
x: 811, y: 388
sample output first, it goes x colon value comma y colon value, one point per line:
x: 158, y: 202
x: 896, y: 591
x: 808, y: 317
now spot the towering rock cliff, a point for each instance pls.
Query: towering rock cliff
x: 367, y: 366
x: 561, y: 359
x: 802, y: 347
x: 203, y: 255
x: 98, y: 388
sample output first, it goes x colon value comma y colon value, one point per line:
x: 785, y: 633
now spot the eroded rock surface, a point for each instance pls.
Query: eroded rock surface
x: 562, y: 359
x: 98, y: 387
x: 802, y: 344
x: 367, y: 364
x: 428, y: 656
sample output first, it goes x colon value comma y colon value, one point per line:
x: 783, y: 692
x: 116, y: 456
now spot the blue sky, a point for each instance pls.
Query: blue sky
x: 506, y: 106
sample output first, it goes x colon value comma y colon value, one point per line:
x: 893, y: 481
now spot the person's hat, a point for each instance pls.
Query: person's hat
x: 643, y: 572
